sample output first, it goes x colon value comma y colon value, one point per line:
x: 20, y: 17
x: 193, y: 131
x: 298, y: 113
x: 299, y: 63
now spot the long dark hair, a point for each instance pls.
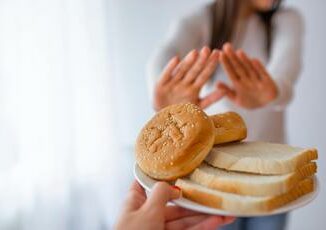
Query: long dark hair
x: 224, y: 15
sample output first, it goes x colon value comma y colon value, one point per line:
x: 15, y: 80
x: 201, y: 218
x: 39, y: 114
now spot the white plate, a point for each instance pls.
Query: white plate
x: 148, y: 183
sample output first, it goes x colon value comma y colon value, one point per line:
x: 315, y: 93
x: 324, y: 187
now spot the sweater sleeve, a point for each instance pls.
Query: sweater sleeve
x: 190, y: 32
x: 286, y: 53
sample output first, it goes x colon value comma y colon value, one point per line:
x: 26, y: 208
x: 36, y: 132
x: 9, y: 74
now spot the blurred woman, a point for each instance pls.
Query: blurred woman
x: 207, y: 59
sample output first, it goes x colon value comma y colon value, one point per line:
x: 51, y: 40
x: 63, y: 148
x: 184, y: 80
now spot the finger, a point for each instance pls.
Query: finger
x: 258, y: 66
x: 136, y: 197
x: 161, y: 194
x: 230, y: 93
x: 254, y: 76
x: 210, y: 223
x: 184, y: 66
x: 208, y: 70
x: 168, y: 70
x: 198, y: 66
x: 237, y: 64
x: 212, y: 98
x: 229, y: 69
x: 186, y: 222
x: 175, y: 212
x: 223, y: 87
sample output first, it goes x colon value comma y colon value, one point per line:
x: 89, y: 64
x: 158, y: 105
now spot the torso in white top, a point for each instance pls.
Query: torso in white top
x: 266, y: 124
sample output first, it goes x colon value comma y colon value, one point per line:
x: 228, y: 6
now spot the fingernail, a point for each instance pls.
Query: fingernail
x: 204, y: 48
x: 176, y: 187
x: 227, y: 47
x: 177, y: 193
x: 191, y: 53
x: 194, y: 54
x: 215, y: 52
x: 175, y: 59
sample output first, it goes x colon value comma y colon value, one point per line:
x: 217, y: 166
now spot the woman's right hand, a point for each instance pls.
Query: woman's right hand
x: 181, y: 81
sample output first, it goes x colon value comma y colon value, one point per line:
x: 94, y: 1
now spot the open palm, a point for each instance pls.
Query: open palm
x: 182, y: 81
x: 252, y: 87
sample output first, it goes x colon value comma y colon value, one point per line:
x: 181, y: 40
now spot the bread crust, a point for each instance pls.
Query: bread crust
x: 242, y: 204
x: 251, y: 184
x: 174, y: 142
x: 224, y: 157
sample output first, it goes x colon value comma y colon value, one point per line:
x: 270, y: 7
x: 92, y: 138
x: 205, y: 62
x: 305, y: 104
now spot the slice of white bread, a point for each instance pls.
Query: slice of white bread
x: 239, y: 203
x: 260, y: 157
x: 248, y: 183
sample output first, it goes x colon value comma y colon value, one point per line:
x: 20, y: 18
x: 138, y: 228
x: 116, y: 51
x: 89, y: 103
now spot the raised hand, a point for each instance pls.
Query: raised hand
x: 252, y: 86
x: 181, y: 81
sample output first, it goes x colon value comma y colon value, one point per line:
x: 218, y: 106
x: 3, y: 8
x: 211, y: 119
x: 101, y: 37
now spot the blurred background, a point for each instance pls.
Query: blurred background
x: 73, y: 97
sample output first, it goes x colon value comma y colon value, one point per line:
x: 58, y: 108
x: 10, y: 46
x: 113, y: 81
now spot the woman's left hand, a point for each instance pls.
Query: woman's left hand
x: 253, y: 87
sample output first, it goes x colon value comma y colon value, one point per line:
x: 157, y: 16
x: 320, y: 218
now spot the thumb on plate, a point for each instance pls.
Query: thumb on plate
x: 161, y: 194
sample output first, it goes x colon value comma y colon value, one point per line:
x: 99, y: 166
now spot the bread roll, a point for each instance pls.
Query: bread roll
x: 174, y: 142
x: 229, y: 127
x: 260, y: 157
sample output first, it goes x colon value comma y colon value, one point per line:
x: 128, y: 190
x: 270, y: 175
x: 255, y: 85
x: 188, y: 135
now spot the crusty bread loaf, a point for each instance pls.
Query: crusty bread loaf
x: 174, y: 142
x: 260, y: 157
x: 239, y: 203
x: 248, y: 183
x: 229, y: 127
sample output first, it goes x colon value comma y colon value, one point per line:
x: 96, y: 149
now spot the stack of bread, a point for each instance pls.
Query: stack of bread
x: 207, y: 158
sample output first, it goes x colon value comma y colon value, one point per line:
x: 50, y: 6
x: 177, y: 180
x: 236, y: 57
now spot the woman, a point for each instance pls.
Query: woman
x: 222, y: 77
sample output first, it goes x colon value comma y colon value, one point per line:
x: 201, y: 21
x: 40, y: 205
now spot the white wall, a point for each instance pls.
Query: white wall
x: 306, y: 117
x: 140, y: 24
x: 138, y: 27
